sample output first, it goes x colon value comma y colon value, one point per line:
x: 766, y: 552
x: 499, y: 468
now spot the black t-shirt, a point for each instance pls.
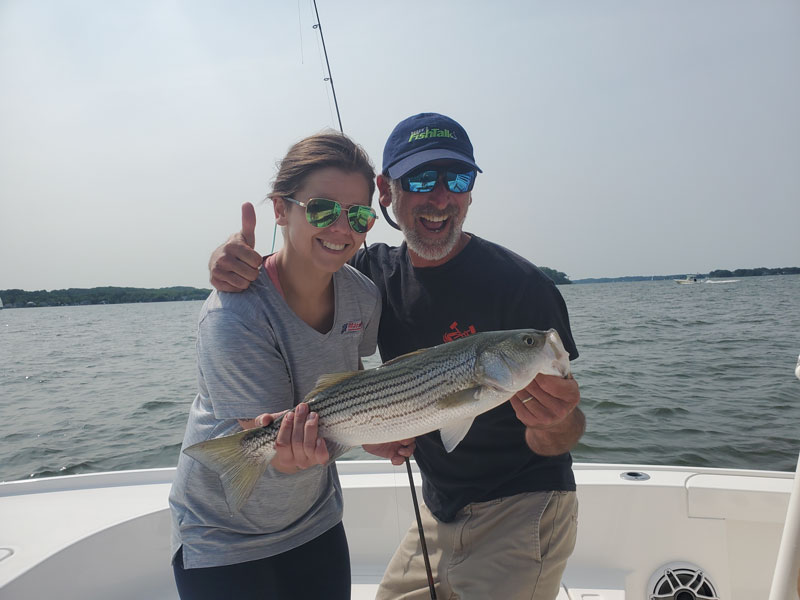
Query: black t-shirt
x: 485, y: 287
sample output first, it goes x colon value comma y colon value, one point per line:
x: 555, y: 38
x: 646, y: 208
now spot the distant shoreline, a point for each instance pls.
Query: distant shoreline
x: 15, y: 298
x: 717, y: 274
x: 100, y: 295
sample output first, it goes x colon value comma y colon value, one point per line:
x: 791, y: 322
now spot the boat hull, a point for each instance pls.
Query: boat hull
x: 107, y: 535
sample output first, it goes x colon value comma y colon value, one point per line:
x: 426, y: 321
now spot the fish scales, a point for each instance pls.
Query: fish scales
x: 401, y: 393
x: 444, y: 388
x: 395, y: 386
x: 390, y: 388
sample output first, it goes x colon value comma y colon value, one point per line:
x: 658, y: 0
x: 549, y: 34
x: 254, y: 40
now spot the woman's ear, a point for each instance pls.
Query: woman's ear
x: 280, y: 208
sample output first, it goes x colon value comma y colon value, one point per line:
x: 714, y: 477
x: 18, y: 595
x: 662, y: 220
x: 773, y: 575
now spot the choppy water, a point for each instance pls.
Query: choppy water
x: 670, y: 374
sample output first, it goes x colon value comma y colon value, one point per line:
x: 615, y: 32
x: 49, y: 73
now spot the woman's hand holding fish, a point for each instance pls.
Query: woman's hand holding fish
x: 298, y: 445
x: 397, y: 452
x: 548, y: 407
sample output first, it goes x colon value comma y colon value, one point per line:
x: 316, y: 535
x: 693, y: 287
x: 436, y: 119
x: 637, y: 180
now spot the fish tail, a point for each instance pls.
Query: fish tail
x: 237, y: 471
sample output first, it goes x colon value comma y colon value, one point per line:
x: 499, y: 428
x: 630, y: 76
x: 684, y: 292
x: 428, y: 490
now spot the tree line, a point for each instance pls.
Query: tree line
x: 124, y: 295
x: 757, y: 272
x: 718, y: 273
x: 99, y: 295
x: 558, y: 277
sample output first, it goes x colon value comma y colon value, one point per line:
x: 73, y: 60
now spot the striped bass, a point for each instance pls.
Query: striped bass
x: 444, y: 387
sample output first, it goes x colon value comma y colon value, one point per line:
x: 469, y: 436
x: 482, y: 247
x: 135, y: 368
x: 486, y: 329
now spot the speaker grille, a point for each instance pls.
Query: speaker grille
x: 681, y: 581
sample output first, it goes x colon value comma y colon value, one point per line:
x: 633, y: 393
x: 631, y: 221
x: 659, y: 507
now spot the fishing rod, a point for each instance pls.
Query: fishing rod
x: 329, y: 79
x: 428, y: 571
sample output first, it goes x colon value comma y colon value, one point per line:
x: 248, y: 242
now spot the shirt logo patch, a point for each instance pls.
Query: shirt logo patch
x: 352, y: 327
x: 457, y: 333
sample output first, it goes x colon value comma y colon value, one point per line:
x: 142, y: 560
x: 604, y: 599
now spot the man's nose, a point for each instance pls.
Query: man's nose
x: 440, y: 194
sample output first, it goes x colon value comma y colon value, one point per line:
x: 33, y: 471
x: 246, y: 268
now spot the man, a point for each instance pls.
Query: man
x: 501, y: 513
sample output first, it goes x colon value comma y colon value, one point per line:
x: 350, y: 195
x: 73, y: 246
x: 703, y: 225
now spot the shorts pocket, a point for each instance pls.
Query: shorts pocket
x: 538, y: 513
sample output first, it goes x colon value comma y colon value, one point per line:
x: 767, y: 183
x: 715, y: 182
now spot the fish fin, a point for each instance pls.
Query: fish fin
x: 404, y: 356
x: 454, y: 432
x: 329, y: 379
x: 239, y: 481
x: 237, y: 472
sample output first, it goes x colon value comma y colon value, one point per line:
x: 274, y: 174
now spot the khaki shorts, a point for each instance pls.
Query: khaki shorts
x: 511, y: 548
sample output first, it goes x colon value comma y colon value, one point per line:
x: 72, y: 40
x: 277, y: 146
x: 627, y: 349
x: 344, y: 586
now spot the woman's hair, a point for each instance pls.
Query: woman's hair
x: 320, y: 151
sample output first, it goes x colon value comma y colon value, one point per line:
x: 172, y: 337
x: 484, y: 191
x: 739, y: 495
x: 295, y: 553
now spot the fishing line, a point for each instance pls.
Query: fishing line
x: 329, y: 79
x: 300, y: 29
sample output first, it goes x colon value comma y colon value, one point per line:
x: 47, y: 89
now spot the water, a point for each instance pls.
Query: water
x: 670, y: 374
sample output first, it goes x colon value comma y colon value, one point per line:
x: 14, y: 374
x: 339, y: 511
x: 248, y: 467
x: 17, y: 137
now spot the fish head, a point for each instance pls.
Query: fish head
x: 511, y: 359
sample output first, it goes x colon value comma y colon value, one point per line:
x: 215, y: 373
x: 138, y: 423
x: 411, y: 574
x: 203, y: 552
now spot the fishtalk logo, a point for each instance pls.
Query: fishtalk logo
x: 427, y: 132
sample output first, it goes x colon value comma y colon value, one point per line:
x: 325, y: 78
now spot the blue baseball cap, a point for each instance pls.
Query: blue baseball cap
x: 424, y: 138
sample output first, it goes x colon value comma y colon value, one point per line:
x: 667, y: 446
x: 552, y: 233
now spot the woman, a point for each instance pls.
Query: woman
x: 261, y: 351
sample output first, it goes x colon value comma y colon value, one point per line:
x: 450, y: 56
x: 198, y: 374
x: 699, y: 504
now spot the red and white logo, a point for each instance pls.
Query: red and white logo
x: 352, y: 327
x: 456, y: 333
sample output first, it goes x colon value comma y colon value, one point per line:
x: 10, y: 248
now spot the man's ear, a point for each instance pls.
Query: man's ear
x: 279, y: 206
x: 384, y: 191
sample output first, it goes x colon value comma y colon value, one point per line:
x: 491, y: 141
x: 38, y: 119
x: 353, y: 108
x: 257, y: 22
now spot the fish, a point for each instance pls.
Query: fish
x: 439, y: 388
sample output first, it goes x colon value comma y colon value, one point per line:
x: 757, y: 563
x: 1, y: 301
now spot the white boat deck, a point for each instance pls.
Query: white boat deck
x: 107, y: 535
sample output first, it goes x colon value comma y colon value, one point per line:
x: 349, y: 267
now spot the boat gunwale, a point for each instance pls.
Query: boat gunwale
x: 162, y: 475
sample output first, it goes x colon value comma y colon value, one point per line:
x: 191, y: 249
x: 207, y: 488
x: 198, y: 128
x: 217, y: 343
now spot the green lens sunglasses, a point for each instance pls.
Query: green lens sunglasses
x: 321, y: 212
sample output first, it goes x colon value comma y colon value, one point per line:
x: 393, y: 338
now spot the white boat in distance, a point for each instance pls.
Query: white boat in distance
x: 645, y: 532
x: 689, y: 279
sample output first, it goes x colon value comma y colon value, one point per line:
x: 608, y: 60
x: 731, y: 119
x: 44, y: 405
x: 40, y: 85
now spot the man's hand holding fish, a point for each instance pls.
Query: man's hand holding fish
x: 397, y: 452
x: 546, y: 406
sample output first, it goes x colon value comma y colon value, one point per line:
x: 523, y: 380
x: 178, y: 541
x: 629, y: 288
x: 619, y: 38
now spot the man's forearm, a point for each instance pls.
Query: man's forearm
x: 559, y: 438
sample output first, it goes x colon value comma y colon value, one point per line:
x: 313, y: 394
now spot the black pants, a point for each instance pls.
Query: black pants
x: 317, y: 569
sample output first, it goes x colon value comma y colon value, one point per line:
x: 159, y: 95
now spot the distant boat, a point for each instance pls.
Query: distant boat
x: 1, y: 303
x: 690, y: 279
x: 699, y: 279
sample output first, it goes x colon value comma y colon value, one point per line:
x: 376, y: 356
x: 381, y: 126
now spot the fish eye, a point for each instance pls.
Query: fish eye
x: 528, y: 340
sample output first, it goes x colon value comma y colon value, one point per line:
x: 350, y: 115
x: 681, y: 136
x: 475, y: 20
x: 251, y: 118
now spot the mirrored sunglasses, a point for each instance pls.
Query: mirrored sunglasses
x: 321, y: 212
x: 423, y: 180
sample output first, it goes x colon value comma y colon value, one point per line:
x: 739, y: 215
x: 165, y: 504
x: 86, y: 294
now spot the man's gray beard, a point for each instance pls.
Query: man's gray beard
x: 424, y: 248
x: 431, y: 249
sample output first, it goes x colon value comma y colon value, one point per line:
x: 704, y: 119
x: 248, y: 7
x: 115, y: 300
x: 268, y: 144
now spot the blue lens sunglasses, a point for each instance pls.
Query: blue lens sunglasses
x: 423, y: 180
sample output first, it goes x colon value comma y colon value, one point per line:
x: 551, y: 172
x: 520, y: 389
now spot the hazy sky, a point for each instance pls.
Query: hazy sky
x: 616, y: 137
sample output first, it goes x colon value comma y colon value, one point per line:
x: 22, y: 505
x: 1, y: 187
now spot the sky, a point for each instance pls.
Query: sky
x: 615, y: 137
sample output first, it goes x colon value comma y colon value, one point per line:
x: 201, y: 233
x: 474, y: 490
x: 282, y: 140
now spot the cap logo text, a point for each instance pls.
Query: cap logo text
x: 427, y: 132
